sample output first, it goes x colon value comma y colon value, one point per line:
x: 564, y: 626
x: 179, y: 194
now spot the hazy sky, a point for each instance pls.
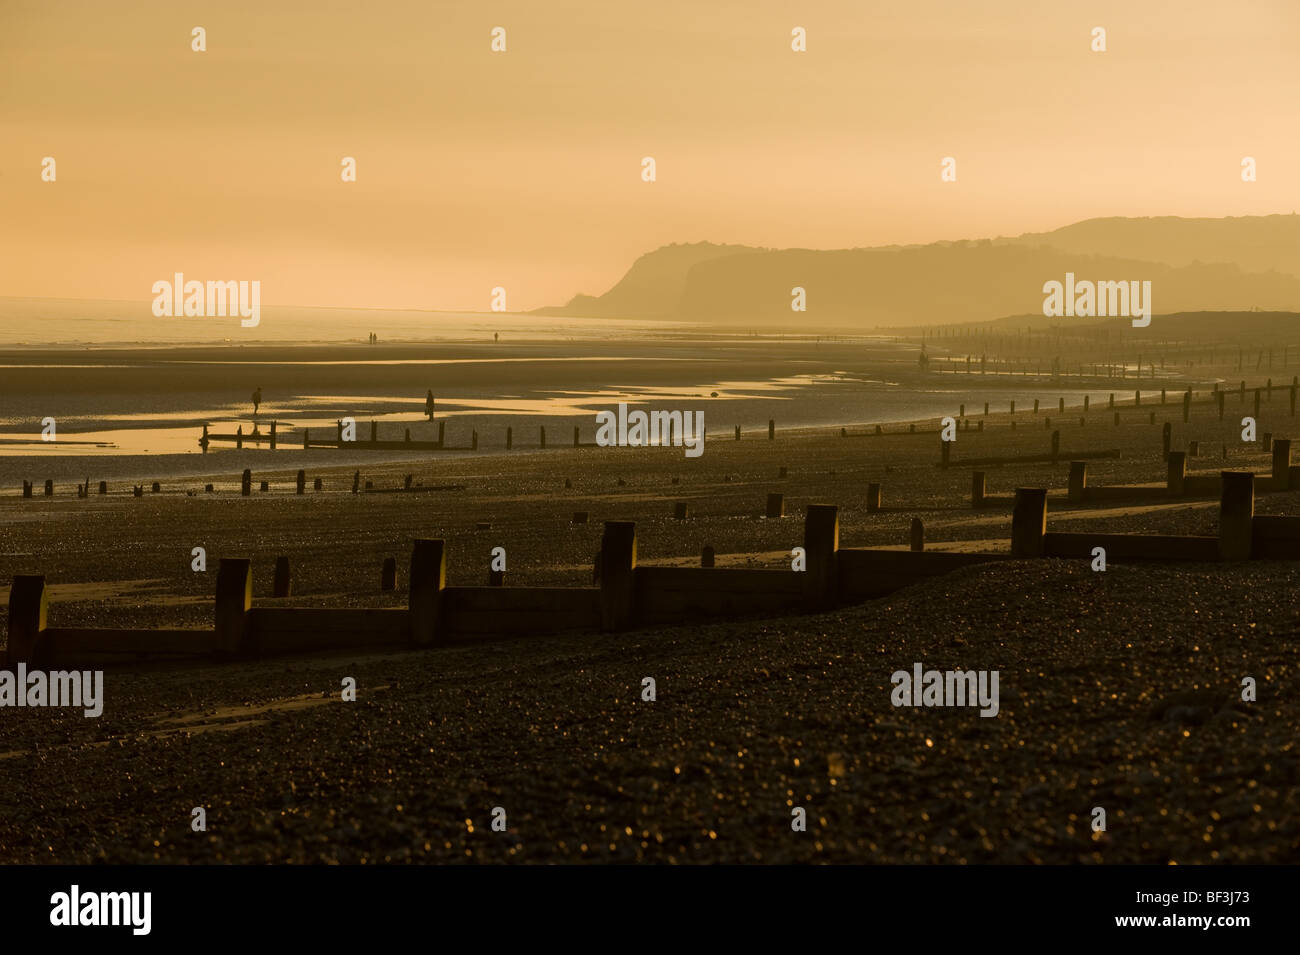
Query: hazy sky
x: 523, y: 169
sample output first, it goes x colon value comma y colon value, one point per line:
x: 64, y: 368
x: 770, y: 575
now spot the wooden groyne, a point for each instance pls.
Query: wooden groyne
x: 628, y: 595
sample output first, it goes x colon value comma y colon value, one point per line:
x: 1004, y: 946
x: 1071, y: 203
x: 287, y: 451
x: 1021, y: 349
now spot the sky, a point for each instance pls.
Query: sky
x: 522, y: 169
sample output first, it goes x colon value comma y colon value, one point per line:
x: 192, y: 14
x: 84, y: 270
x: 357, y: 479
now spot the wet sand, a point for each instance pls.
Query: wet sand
x: 137, y: 414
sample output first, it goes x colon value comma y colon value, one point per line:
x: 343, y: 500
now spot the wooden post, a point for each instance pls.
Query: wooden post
x: 543, y: 435
x: 706, y: 556
x: 442, y: 434
x: 1137, y: 398
x: 917, y: 535
x: 679, y: 511
x: 1060, y: 406
x: 1236, y: 515
x: 510, y: 438
x: 1162, y: 396
x: 302, y: 481
x: 1035, y: 406
x: 428, y: 579
x: 617, y: 575
x: 1112, y: 399
x: 986, y: 408
x: 737, y: 432
x: 1029, y: 522
x: 1013, y: 407
x: 283, y: 585
x: 27, y: 489
x: 306, y: 438
x: 103, y: 487
x: 776, y: 505
x: 49, y: 488
x: 264, y: 486
x: 1078, y: 486
x: 318, y: 484
x: 873, y: 497
x: 234, y: 598
x: 246, y: 483
x: 821, y: 542
x: 1085, y: 403
x: 1281, y: 464
x: 473, y: 440
x: 1266, y: 442
x: 1176, y: 480
x: 977, y: 489
x: 273, y: 435
x: 579, y: 517
x: 374, y: 432
x: 771, y: 429
x: 28, y: 607
x: 388, y: 575
x: 575, y: 436
x: 945, y: 450
x: 1166, y: 439
x: 1193, y: 449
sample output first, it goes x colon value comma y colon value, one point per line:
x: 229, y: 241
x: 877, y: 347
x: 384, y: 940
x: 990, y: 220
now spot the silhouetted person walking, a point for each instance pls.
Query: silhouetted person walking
x: 257, y: 399
x: 428, y: 404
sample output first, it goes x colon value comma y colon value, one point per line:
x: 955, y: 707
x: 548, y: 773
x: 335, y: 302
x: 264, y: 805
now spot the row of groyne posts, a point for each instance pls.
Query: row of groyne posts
x: 271, y: 438
x: 245, y: 485
x: 1176, y: 459
x: 627, y: 595
x: 1218, y: 396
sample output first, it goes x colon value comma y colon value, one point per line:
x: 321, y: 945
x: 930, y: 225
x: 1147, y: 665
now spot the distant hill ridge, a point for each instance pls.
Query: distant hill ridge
x: 1193, y: 264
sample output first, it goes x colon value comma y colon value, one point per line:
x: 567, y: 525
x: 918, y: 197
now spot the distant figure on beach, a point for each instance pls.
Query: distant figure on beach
x: 496, y: 336
x: 257, y: 399
x: 428, y: 404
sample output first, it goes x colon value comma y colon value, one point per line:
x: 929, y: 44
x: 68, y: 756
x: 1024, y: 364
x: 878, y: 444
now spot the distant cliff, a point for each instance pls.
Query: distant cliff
x: 1193, y: 264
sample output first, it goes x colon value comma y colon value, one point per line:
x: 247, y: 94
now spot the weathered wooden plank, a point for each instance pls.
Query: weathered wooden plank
x: 502, y: 599
x: 1132, y: 546
x: 718, y: 580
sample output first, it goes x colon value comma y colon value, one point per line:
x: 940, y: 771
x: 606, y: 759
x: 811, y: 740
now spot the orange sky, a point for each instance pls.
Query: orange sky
x: 522, y: 169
